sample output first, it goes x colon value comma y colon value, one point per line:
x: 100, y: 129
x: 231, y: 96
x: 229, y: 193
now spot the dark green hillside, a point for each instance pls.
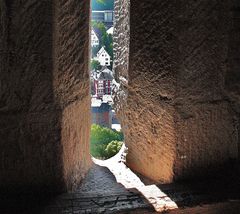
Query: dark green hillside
x: 106, y: 5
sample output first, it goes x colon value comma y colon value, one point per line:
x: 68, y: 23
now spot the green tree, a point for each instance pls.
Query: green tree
x: 102, y: 4
x: 100, y: 26
x: 100, y: 138
x: 101, y: 1
x: 107, y: 43
x: 95, y: 51
x: 106, y: 39
x: 95, y: 65
x: 113, y: 148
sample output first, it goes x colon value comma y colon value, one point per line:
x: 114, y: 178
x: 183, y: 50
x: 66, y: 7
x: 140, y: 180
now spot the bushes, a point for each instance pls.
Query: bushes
x: 101, y: 137
x: 113, y: 148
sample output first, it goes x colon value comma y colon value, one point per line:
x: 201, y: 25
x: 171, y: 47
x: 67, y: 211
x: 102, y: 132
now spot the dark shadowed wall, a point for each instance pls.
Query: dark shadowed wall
x: 44, y: 93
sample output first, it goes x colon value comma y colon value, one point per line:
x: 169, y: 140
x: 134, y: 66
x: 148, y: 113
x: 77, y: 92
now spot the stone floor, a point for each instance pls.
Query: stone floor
x: 101, y: 192
x: 101, y: 181
x: 109, y: 187
x: 127, y: 178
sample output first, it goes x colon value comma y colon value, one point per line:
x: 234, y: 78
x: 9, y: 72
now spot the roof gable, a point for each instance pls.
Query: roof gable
x: 94, y: 33
x: 104, y: 74
x: 102, y: 51
x: 97, y: 32
x: 110, y: 30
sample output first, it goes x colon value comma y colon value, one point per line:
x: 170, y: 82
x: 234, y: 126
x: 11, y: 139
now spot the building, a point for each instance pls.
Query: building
x: 103, y: 12
x: 102, y: 82
x: 115, y: 123
x: 103, y: 57
x: 110, y: 31
x: 101, y: 113
x: 94, y: 39
x: 105, y: 16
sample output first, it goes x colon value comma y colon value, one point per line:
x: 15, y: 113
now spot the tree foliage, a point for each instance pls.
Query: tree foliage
x: 106, y: 39
x: 102, y: 4
x: 113, y: 148
x: 100, y: 26
x: 101, y: 1
x: 95, y: 50
x: 107, y: 43
x: 95, y: 65
x: 100, y: 138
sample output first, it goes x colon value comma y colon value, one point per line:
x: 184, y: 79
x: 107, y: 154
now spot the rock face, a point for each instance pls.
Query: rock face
x: 121, y: 38
x: 44, y: 93
x: 232, y: 80
x: 174, y: 79
x: 178, y: 96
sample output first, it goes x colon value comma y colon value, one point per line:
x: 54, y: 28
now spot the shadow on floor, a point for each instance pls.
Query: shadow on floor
x: 100, y: 193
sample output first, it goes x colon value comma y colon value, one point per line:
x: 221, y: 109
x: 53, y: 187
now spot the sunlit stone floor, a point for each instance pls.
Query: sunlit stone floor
x: 113, y: 188
x: 99, y: 193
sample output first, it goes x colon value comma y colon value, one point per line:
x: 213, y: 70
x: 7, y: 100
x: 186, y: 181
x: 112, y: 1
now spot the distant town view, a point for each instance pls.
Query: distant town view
x: 106, y: 135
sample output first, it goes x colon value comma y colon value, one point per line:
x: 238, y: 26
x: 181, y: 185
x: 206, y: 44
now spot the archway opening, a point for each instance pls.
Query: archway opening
x: 106, y: 134
x: 108, y: 93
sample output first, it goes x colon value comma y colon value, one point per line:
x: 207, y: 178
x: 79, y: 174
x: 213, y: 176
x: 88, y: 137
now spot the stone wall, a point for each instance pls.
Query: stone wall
x: 177, y: 89
x: 178, y: 121
x: 44, y: 93
x: 232, y: 81
x: 121, y: 34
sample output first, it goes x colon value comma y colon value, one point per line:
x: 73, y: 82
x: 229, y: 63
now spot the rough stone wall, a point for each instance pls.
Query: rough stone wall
x: 44, y: 99
x: 121, y: 57
x: 72, y: 85
x: 232, y: 81
x: 204, y: 122
x: 178, y: 120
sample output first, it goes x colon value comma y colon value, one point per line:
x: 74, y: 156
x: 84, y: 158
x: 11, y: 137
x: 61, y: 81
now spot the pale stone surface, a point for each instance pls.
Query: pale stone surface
x: 171, y: 66
x: 158, y: 199
x: 99, y: 192
x: 44, y: 94
x: 177, y: 69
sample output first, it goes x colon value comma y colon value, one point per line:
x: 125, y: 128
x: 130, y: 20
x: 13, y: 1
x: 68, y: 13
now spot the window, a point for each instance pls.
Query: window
x: 108, y: 16
x: 98, y: 16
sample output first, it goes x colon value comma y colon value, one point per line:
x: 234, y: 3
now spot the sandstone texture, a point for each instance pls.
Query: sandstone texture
x: 44, y: 94
x: 232, y: 80
x: 176, y: 87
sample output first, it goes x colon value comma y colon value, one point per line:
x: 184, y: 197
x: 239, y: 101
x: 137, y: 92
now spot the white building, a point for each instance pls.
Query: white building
x: 110, y: 31
x: 94, y: 39
x: 105, y: 16
x: 103, y: 57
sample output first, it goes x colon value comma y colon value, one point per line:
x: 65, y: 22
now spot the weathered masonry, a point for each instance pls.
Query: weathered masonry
x: 178, y: 66
x: 44, y: 95
x: 177, y: 63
